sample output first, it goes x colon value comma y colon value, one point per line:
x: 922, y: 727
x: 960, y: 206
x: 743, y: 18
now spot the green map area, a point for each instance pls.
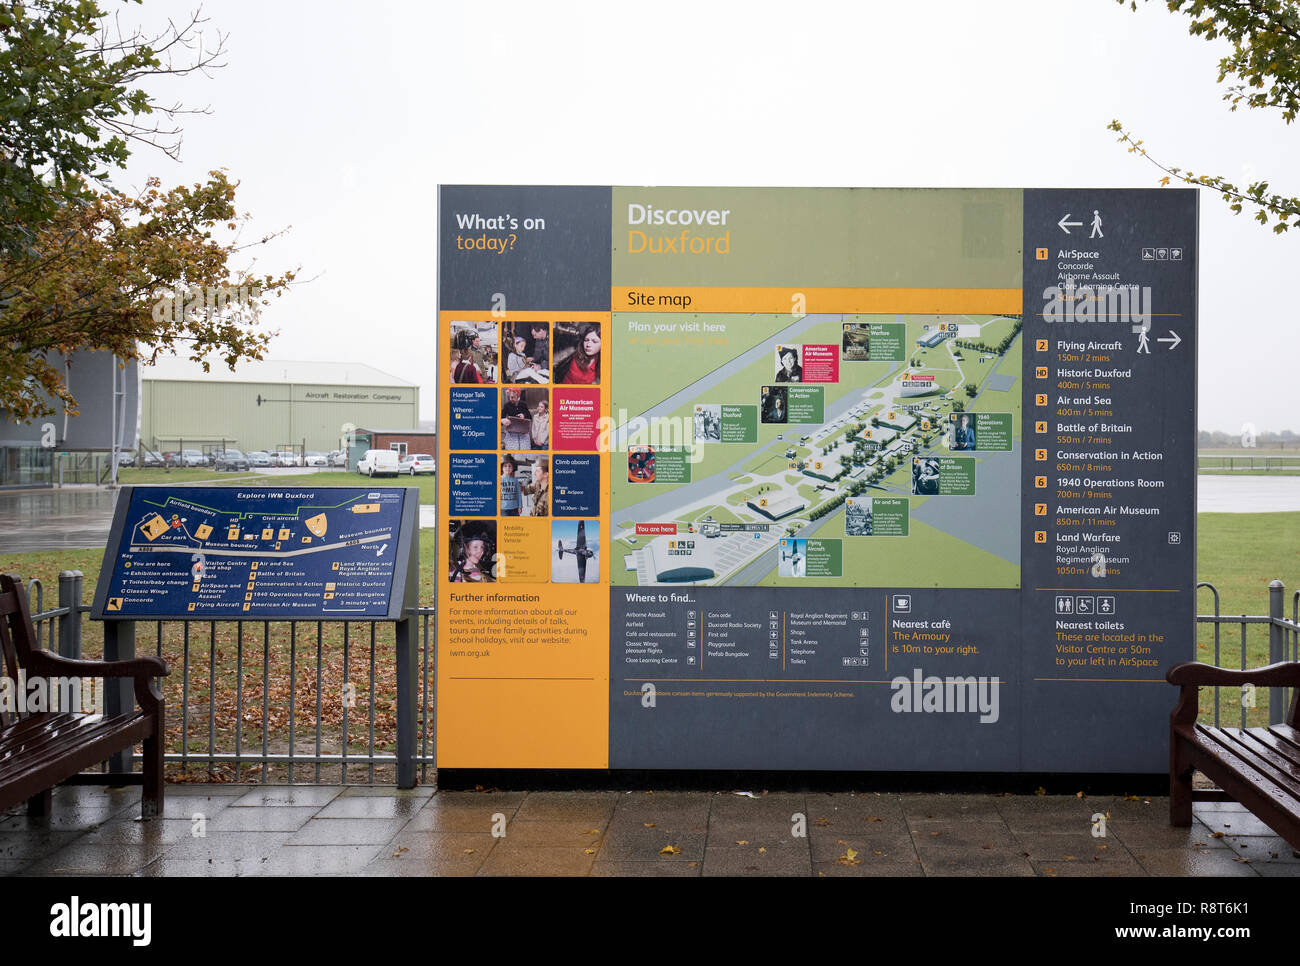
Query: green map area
x: 877, y: 418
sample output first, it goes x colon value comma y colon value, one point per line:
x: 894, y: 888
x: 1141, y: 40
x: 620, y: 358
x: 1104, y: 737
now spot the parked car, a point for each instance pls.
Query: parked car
x: 230, y: 460
x: 339, y: 458
x: 192, y: 457
x: 379, y: 462
x: 286, y: 457
x: 315, y: 459
x: 259, y: 457
x: 153, y: 458
x: 417, y: 463
x: 126, y: 457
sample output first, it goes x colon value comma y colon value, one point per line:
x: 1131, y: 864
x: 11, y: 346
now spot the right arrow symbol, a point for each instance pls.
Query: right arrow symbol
x: 1174, y: 342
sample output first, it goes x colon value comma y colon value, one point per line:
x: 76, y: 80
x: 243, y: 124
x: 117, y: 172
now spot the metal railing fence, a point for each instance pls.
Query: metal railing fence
x: 269, y: 701
x: 333, y: 715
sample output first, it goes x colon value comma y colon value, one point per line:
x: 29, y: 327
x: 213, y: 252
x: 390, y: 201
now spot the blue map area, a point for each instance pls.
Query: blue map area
x: 261, y: 552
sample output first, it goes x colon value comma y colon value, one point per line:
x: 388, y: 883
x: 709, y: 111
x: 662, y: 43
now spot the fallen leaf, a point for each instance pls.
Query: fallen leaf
x: 823, y: 822
x: 742, y: 841
x: 589, y: 851
x: 592, y: 831
x: 1080, y: 795
x: 648, y: 824
x: 762, y: 848
x: 694, y: 865
x: 469, y: 851
x: 669, y: 850
x: 850, y: 857
x: 1216, y: 835
x: 1040, y: 790
x: 875, y: 818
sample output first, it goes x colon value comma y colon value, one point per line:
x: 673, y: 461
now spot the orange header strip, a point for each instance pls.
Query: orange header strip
x: 857, y: 301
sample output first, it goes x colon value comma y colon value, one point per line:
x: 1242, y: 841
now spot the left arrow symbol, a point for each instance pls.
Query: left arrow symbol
x: 1064, y: 221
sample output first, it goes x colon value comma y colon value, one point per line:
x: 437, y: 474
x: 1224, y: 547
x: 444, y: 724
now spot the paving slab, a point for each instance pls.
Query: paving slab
x: 372, y: 830
x: 966, y: 861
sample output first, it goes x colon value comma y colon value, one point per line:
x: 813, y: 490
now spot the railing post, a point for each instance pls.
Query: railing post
x: 407, y: 693
x: 70, y: 586
x: 1276, y: 650
x: 119, y: 694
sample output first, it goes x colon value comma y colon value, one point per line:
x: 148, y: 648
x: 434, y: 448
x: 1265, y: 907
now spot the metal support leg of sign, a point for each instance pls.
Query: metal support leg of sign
x: 119, y: 693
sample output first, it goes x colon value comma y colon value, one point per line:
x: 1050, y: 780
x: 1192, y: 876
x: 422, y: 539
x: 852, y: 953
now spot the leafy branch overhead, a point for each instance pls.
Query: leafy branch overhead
x: 82, y: 265
x: 71, y: 101
x: 1262, y: 71
x: 135, y: 276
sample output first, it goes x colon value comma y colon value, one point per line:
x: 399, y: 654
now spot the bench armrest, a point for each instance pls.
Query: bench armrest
x: 50, y: 664
x: 1285, y: 674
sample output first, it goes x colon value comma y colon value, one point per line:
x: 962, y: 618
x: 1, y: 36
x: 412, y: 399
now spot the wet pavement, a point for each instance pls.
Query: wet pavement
x: 238, y: 830
x: 75, y: 518
x: 69, y: 518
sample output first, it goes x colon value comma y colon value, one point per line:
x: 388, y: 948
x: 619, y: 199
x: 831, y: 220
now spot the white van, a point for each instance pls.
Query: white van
x: 378, y: 462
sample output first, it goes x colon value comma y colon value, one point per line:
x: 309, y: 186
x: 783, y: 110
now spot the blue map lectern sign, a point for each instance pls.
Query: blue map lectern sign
x: 254, y: 553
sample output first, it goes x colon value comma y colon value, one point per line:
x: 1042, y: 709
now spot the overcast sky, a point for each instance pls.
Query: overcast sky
x: 340, y: 119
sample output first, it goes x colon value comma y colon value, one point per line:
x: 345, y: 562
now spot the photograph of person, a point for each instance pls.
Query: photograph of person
x: 925, y: 476
x: 963, y: 431
x: 474, y: 344
x: 520, y: 364
x: 540, y: 434
x: 537, y: 490
x: 473, y: 545
x: 772, y: 408
x: 577, y: 353
x: 787, y: 364
x: 463, y: 371
x: 539, y: 345
x: 516, y: 420
x: 510, y: 495
x: 856, y: 345
x: 708, y: 424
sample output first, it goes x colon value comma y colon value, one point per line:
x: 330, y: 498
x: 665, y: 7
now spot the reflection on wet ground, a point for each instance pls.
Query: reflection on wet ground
x: 71, y: 518
x: 62, y: 519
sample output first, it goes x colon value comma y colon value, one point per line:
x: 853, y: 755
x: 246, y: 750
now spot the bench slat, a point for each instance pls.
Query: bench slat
x: 1217, y: 756
x: 1286, y: 735
x: 1284, y: 755
x: 1278, y: 768
x: 32, y: 754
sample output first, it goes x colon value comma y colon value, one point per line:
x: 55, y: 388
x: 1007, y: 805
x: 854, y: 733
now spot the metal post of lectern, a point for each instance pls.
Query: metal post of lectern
x: 119, y: 693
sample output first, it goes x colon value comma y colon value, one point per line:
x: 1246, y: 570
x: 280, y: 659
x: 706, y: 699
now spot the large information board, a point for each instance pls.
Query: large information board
x: 814, y: 478
x: 259, y: 553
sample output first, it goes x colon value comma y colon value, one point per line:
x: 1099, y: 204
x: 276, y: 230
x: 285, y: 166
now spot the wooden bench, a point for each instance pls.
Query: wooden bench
x: 1258, y: 767
x: 39, y: 749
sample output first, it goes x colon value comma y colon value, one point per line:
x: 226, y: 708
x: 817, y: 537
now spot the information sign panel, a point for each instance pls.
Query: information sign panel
x: 815, y: 478
x: 259, y: 553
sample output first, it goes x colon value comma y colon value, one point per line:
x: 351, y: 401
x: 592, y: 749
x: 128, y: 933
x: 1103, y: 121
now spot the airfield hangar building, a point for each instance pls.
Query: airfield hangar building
x: 268, y: 405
